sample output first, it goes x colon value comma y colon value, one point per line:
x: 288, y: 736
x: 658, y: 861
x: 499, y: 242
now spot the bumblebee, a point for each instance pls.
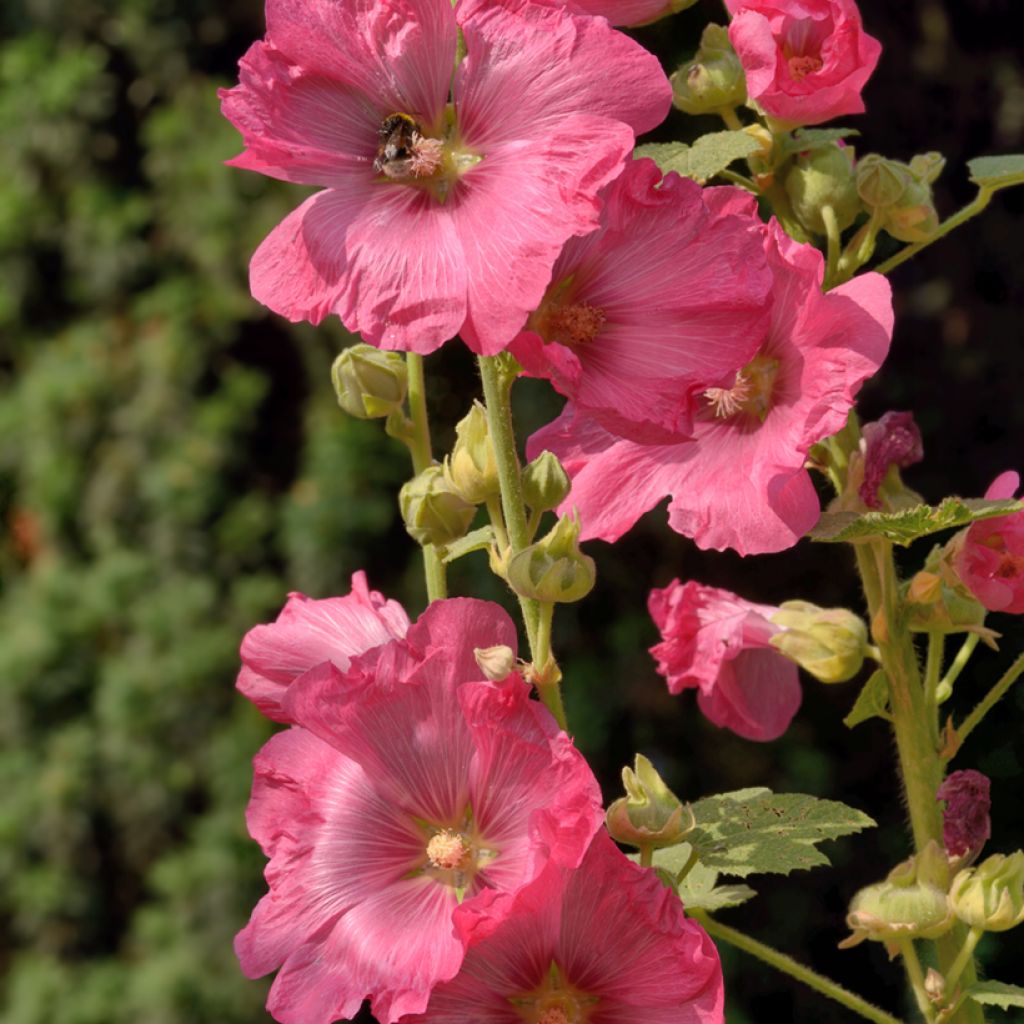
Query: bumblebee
x: 398, y: 134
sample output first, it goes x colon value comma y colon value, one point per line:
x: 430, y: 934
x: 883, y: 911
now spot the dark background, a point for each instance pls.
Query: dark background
x: 172, y: 463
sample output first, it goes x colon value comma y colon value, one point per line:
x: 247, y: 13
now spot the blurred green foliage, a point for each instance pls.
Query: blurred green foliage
x: 172, y: 463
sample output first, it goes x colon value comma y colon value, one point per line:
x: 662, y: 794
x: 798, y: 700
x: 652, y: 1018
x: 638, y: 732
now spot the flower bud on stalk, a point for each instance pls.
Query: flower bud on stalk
x: 471, y: 470
x: 554, y: 569
x: 650, y: 815
x: 827, y: 642
x: 545, y: 483
x: 369, y: 383
x: 713, y: 80
x: 824, y: 177
x: 433, y: 513
x: 901, y: 193
x: 991, y: 895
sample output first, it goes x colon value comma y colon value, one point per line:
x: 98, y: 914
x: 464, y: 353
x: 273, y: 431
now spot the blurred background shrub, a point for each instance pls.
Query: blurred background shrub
x: 172, y: 464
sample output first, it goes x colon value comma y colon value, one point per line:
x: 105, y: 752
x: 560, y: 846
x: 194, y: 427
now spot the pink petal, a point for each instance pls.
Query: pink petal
x: 1004, y: 486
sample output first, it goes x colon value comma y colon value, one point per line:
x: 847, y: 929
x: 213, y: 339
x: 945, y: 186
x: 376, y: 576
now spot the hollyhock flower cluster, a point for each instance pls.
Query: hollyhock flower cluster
x: 806, y: 61
x: 606, y: 944
x: 740, y: 480
x: 988, y: 556
x: 308, y: 633
x: 720, y: 645
x: 437, y: 217
x: 618, y: 333
x: 409, y: 785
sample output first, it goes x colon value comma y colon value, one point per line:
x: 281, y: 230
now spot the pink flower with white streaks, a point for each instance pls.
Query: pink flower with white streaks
x: 438, y: 217
x: 989, y: 555
x: 663, y: 300
x: 604, y: 944
x: 741, y: 482
x: 806, y: 61
x: 309, y: 632
x: 719, y: 644
x: 409, y: 782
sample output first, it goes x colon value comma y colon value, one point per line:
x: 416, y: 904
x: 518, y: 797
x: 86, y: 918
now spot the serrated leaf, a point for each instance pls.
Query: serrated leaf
x: 475, y: 540
x: 994, y: 172
x: 805, y: 139
x: 755, y: 831
x: 709, y: 155
x: 997, y: 993
x: 871, y: 702
x: 700, y: 890
x: 908, y: 524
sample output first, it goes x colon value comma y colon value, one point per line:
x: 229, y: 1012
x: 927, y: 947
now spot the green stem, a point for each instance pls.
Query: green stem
x: 691, y: 862
x: 548, y: 677
x: 739, y: 179
x: 787, y: 965
x: 497, y: 521
x: 497, y: 399
x: 732, y: 122
x: 972, y: 209
x: 1009, y: 677
x: 945, y: 688
x: 932, y: 671
x: 913, y: 968
x: 921, y: 764
x: 434, y: 570
x: 828, y: 216
x: 963, y: 958
x: 859, y: 249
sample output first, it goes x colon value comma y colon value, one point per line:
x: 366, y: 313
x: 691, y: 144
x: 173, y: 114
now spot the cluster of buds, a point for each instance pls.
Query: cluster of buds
x: 820, y: 178
x: 829, y: 643
x: 899, y: 195
x: 713, y: 81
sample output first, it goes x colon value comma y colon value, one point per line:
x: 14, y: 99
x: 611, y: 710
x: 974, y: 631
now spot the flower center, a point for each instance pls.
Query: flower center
x: 572, y: 324
x: 801, y: 67
x: 751, y: 392
x: 450, y: 851
x: 554, y: 1001
x: 453, y: 854
x: 1010, y: 567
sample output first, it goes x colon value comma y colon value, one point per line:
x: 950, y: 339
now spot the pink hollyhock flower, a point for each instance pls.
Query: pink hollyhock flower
x: 438, y: 217
x: 740, y: 482
x: 409, y: 783
x: 606, y: 944
x: 662, y: 300
x: 966, y: 826
x: 308, y: 633
x: 806, y: 61
x: 630, y: 12
x: 989, y: 555
x: 720, y: 644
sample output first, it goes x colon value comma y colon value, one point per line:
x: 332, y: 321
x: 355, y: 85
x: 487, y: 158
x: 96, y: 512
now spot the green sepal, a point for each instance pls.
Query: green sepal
x: 871, y: 702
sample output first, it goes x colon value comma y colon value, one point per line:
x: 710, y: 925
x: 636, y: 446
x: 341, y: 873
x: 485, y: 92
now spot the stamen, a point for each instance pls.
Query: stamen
x: 427, y: 156
x: 801, y: 67
x: 449, y: 851
x: 727, y: 402
x: 572, y: 325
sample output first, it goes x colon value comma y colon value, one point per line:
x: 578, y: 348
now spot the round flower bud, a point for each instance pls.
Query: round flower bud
x: 554, y: 569
x: 991, y: 895
x: 881, y: 182
x: 824, y: 177
x: 545, y: 483
x: 369, y: 383
x: 914, y: 218
x: 433, y: 513
x: 714, y: 79
x: 827, y: 642
x: 650, y: 815
x: 471, y: 470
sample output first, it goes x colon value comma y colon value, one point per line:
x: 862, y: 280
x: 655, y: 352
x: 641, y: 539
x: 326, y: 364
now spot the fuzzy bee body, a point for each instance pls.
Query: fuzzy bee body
x: 398, y: 134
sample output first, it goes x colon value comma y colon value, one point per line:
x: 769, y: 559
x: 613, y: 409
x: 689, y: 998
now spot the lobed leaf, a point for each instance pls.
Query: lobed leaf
x: 699, y: 890
x: 997, y: 993
x: 994, y: 172
x: 708, y: 156
x: 908, y: 524
x: 753, y: 831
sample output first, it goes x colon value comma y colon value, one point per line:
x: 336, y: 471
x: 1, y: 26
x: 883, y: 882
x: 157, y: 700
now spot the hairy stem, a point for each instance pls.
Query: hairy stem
x: 1009, y: 677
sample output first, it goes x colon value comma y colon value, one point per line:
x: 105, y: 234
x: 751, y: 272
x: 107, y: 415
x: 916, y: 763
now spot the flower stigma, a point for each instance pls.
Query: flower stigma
x: 801, y: 67
x: 751, y: 391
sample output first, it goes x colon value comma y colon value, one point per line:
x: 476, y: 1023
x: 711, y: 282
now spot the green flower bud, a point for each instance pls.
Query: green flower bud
x: 824, y: 177
x: 433, y: 513
x: 369, y: 383
x: 714, y: 79
x: 472, y: 469
x: 881, y: 182
x: 545, y: 483
x: 827, y: 642
x: 990, y: 896
x: 650, y: 815
x: 927, y: 167
x: 914, y: 218
x: 554, y: 569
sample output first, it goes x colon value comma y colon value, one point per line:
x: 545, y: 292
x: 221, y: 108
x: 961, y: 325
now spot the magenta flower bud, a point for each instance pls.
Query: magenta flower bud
x: 965, y: 821
x: 894, y: 440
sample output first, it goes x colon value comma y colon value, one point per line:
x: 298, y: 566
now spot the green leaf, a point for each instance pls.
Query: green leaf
x: 754, y: 831
x: 994, y: 172
x: 871, y: 702
x: 908, y: 524
x: 699, y: 890
x: 709, y: 155
x: 475, y: 540
x: 805, y: 139
x: 997, y: 993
